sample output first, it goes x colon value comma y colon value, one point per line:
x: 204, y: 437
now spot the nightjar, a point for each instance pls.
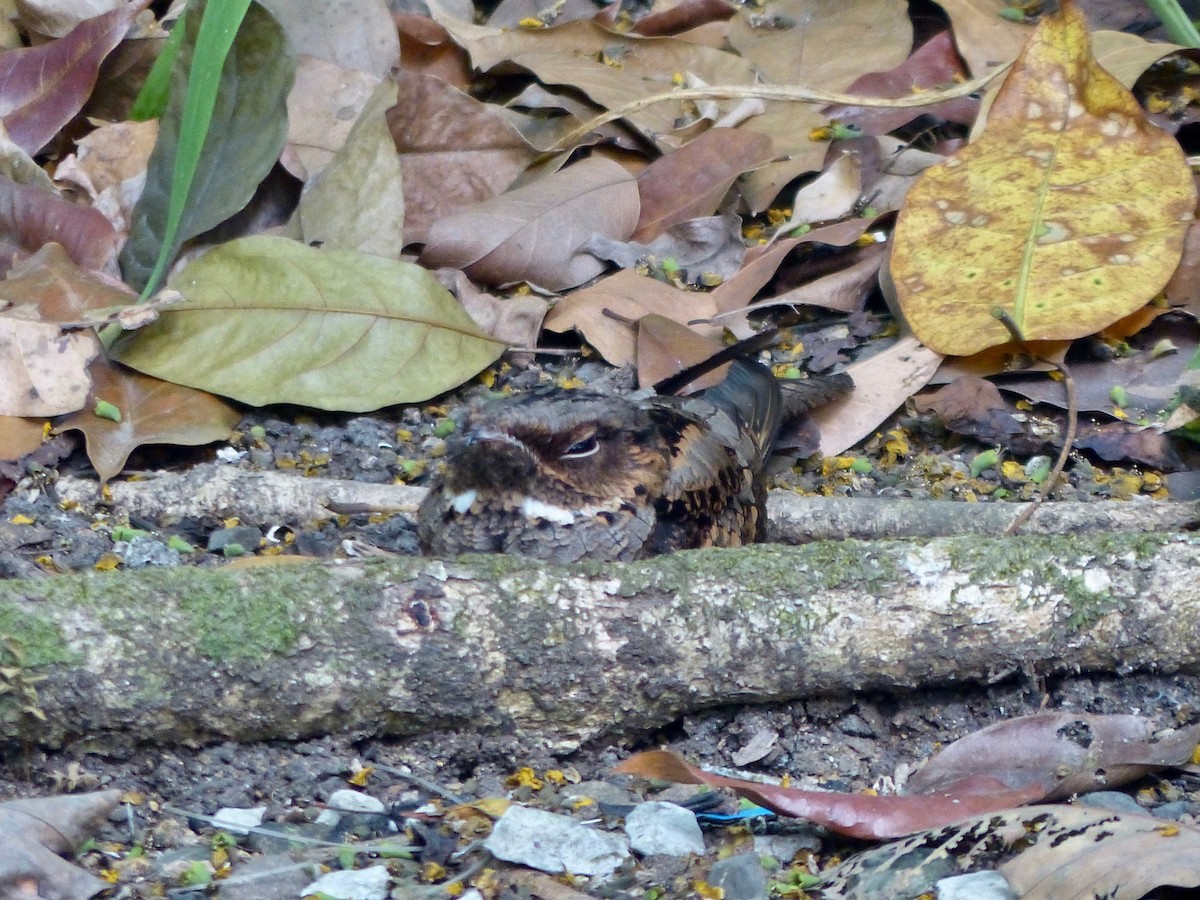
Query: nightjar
x: 565, y: 475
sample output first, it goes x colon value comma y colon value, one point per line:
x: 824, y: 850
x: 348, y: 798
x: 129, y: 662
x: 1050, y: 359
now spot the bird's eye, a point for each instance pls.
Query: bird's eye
x: 585, y: 447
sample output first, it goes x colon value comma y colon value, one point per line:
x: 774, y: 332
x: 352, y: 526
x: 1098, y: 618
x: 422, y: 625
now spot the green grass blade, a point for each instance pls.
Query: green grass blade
x: 152, y: 98
x: 219, y: 24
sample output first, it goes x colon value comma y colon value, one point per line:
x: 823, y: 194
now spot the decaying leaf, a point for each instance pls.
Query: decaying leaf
x: 151, y: 412
x: 1051, y: 852
x: 1067, y: 214
x: 43, y: 88
x: 268, y: 320
x: 1065, y: 753
x: 455, y: 152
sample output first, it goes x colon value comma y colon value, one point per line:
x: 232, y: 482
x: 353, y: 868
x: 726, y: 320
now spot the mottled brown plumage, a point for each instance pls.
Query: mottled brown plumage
x: 565, y: 475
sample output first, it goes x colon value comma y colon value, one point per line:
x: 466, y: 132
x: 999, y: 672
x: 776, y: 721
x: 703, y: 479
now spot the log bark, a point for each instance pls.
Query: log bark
x: 412, y: 645
x: 270, y: 498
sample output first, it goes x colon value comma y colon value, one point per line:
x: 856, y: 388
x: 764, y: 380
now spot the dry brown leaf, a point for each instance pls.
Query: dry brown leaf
x: 881, y: 385
x: 534, y: 233
x: 984, y: 37
x: 868, y: 816
x: 426, y: 48
x: 19, y: 436
x: 630, y: 296
x: 575, y: 54
x: 455, y: 152
x: 665, y: 348
x: 692, y: 181
x: 817, y: 45
x: 152, y: 412
x: 323, y: 106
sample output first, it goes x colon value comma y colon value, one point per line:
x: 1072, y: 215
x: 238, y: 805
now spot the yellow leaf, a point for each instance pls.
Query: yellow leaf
x: 1067, y: 214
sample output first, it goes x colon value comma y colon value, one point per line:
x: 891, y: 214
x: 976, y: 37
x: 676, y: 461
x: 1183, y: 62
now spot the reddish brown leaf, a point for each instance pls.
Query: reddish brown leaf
x: 152, y: 412
x: 692, y: 181
x: 857, y: 815
x: 426, y: 48
x: 973, y: 407
x: 31, y: 218
x: 684, y: 16
x: 935, y: 65
x: 43, y: 88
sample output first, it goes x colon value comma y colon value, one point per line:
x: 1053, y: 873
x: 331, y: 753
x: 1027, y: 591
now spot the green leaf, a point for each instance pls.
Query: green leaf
x: 151, y: 101
x: 268, y: 320
x: 222, y: 131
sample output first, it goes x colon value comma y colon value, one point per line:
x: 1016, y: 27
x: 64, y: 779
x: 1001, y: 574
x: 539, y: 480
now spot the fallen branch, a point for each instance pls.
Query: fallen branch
x: 499, y: 644
x: 218, y: 491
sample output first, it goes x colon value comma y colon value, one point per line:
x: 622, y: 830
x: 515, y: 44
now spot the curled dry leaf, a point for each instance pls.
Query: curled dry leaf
x: 1067, y: 214
x: 534, y: 233
x: 35, y: 831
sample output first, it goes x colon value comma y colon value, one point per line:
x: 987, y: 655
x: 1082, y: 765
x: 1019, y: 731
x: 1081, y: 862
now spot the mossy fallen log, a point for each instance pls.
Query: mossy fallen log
x: 497, y: 644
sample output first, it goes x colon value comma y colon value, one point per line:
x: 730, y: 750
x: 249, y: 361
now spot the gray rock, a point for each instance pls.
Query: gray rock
x: 553, y: 843
x: 741, y: 877
x: 1114, y: 801
x: 145, y: 551
x: 244, y: 536
x: 665, y: 829
x: 975, y: 886
x: 358, y: 884
x: 238, y: 821
x: 347, y: 800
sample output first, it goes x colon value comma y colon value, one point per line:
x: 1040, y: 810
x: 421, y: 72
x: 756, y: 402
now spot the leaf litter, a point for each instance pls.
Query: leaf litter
x: 489, y: 193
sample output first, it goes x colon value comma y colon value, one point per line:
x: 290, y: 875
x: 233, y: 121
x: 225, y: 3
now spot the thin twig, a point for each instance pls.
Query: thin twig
x: 782, y: 92
x: 1047, y: 487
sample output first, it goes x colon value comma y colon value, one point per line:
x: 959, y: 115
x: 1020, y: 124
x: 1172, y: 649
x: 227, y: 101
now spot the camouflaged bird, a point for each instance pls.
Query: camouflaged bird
x: 565, y: 475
